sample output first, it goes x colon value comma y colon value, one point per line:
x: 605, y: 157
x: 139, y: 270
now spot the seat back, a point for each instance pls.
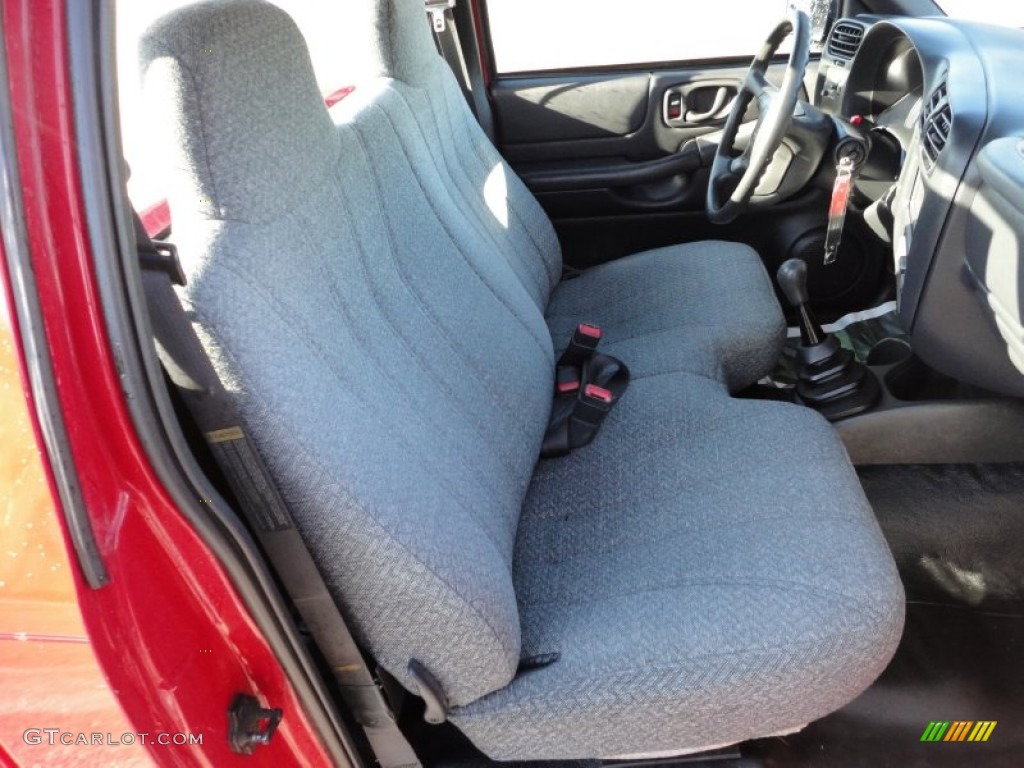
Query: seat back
x: 506, y: 212
x: 378, y: 324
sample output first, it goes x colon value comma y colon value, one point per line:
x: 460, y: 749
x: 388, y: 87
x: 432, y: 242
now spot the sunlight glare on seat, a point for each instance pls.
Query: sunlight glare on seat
x: 496, y: 194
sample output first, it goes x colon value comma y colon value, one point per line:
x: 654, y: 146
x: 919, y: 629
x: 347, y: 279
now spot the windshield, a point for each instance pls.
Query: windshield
x: 1000, y: 12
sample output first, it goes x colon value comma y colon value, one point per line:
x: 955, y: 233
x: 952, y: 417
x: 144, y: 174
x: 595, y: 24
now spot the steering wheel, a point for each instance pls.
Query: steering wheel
x: 775, y: 113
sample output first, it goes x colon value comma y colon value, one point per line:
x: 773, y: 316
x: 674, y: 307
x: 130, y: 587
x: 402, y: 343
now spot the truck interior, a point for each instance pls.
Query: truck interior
x: 654, y: 412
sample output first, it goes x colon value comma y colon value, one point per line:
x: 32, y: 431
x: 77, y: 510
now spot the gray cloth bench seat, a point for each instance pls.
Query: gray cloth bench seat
x: 379, y: 293
x: 704, y: 308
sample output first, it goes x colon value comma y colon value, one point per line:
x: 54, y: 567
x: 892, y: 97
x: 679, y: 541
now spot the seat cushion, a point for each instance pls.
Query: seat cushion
x: 706, y: 308
x: 697, y: 594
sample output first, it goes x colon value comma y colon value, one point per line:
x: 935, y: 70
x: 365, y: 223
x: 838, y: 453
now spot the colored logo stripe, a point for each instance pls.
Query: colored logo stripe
x: 958, y: 730
x: 982, y: 730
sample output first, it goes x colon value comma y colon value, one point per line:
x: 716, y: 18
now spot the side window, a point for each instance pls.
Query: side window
x: 544, y: 35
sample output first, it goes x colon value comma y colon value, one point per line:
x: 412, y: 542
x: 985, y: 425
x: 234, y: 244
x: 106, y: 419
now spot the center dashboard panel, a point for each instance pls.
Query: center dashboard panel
x: 941, y: 91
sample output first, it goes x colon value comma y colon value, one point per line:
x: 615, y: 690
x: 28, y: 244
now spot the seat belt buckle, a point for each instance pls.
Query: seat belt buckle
x: 567, y: 379
x: 437, y: 9
x: 584, y: 397
x: 586, y: 336
x: 582, y: 344
x: 593, y: 403
x: 598, y: 395
x: 592, y: 406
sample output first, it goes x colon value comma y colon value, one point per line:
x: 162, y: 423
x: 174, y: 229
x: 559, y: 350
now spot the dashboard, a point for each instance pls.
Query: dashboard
x: 949, y: 96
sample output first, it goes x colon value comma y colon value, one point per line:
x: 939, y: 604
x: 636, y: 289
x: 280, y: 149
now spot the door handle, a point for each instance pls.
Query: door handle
x: 721, y: 97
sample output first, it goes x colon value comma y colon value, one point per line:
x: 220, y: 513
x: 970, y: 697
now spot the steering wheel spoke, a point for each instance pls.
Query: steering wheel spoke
x: 739, y: 165
x: 758, y: 84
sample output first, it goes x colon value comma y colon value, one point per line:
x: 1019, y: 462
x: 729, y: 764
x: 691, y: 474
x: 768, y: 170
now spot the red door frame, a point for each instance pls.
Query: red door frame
x: 173, y: 636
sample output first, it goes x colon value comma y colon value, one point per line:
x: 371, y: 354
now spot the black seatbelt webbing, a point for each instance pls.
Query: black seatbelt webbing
x: 462, y: 54
x: 190, y: 369
x: 446, y: 36
x: 465, y: 15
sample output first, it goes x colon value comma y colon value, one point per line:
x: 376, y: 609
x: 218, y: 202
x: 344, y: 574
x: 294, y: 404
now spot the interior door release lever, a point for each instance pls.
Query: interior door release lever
x: 721, y: 97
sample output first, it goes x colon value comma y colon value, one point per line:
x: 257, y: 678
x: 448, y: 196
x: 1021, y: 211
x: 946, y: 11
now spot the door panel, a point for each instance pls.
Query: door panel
x: 612, y: 145
x: 539, y: 108
x: 575, y: 121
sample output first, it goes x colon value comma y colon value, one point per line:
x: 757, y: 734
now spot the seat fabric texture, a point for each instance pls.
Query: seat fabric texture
x: 705, y: 308
x: 669, y: 582
x: 374, y: 286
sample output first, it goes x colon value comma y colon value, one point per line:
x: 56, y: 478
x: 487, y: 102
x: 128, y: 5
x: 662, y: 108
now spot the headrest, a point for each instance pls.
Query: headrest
x: 231, y: 86
x: 404, y: 44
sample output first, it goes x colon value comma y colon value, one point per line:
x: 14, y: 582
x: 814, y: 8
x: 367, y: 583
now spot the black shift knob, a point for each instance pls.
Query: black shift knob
x: 792, y: 277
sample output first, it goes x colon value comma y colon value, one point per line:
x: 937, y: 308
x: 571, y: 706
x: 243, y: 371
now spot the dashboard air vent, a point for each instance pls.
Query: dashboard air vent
x: 937, y: 122
x: 845, y: 40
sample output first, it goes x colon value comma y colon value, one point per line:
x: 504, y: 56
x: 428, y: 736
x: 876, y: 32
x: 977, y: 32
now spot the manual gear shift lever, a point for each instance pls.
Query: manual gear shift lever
x: 792, y: 277
x: 830, y: 380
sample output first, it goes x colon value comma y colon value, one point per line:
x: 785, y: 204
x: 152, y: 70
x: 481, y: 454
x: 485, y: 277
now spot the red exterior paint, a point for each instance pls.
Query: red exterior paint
x: 173, y: 637
x: 481, y: 44
x: 48, y: 673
